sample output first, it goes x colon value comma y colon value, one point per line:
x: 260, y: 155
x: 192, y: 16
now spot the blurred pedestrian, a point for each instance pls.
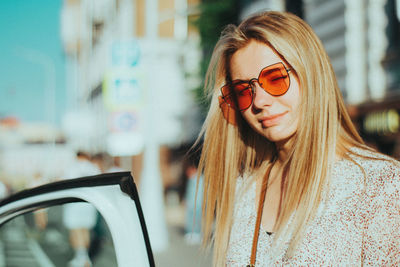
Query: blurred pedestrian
x: 287, y: 178
x: 40, y: 215
x: 98, y: 160
x: 193, y: 200
x: 4, y: 190
x: 80, y: 218
x: 116, y: 165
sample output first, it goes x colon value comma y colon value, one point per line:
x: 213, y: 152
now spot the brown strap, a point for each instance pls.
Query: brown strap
x: 259, y: 215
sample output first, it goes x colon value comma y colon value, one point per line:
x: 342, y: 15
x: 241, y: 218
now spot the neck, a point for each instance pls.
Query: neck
x: 283, y: 148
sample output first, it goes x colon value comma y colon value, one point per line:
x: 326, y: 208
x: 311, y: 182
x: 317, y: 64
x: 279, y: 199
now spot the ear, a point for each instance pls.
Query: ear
x: 228, y: 112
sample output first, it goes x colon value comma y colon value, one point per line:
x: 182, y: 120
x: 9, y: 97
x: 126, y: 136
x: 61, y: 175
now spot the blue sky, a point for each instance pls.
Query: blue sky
x: 30, y: 27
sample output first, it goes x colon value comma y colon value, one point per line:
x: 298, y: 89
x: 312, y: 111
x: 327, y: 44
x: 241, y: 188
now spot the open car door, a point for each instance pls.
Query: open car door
x: 116, y: 200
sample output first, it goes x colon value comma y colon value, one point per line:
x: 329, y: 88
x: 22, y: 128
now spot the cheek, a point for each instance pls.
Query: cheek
x: 296, y: 112
x: 291, y: 103
x: 250, y: 119
x: 247, y: 116
x: 293, y: 97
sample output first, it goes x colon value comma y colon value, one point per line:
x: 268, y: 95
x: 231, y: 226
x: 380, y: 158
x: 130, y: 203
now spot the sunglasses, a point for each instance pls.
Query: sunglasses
x: 274, y: 79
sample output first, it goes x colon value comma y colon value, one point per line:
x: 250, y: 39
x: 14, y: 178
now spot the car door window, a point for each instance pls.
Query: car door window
x: 41, y: 238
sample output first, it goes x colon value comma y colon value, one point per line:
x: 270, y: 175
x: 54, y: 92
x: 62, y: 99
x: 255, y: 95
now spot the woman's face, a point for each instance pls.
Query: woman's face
x: 274, y: 117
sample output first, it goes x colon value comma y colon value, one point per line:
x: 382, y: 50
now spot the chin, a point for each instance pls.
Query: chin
x: 271, y: 137
x: 275, y: 139
x: 276, y: 135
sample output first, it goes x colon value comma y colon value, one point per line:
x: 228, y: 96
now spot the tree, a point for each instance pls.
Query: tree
x: 214, y: 16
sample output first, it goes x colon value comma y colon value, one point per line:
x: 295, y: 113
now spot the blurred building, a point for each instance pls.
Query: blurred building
x: 362, y: 38
x: 125, y: 57
x: 130, y: 70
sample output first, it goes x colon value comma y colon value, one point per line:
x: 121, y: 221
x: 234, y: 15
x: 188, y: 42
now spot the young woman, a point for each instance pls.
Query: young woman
x: 287, y: 178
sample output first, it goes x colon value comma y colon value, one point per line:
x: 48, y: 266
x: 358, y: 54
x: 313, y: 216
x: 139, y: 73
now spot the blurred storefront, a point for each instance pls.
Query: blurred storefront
x: 378, y: 118
x: 122, y: 56
x: 379, y: 124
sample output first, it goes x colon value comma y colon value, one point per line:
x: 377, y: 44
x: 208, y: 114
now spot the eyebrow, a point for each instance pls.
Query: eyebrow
x: 272, y: 70
x: 239, y: 81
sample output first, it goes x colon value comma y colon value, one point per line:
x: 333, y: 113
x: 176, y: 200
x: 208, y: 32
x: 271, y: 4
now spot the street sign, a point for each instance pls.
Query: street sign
x: 125, y: 53
x: 123, y: 89
x: 124, y: 121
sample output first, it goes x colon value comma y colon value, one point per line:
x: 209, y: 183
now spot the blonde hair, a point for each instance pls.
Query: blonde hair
x: 230, y: 151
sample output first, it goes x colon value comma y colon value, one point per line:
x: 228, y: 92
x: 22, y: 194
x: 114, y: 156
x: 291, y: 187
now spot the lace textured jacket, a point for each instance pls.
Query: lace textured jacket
x: 357, y: 223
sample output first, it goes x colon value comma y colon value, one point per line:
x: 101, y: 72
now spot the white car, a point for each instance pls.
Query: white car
x: 116, y: 199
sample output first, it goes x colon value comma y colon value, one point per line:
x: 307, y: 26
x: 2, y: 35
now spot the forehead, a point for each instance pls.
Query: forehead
x: 247, y: 62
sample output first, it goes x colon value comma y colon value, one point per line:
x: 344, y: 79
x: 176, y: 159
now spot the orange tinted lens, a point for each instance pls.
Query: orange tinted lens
x: 238, y: 96
x: 275, y: 79
x: 244, y: 95
x: 228, y: 97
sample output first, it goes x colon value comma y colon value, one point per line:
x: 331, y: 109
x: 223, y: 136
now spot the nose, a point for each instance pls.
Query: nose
x: 261, y: 98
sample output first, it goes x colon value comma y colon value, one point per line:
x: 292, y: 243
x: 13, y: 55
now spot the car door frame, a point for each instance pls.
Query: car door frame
x: 111, y: 194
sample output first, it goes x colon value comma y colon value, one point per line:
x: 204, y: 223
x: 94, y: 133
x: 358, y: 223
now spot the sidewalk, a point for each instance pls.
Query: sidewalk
x: 180, y: 253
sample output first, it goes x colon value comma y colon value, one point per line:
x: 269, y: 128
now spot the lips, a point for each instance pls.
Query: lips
x: 271, y: 120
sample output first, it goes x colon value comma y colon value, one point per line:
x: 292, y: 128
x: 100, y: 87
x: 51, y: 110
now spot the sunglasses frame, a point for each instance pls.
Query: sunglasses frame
x: 251, y: 82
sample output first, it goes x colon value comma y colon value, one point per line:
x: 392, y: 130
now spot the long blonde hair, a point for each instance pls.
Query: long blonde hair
x: 230, y: 151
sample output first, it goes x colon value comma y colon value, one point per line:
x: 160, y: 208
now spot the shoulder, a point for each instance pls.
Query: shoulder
x: 369, y: 168
x: 381, y: 184
x: 371, y: 158
x: 381, y: 171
